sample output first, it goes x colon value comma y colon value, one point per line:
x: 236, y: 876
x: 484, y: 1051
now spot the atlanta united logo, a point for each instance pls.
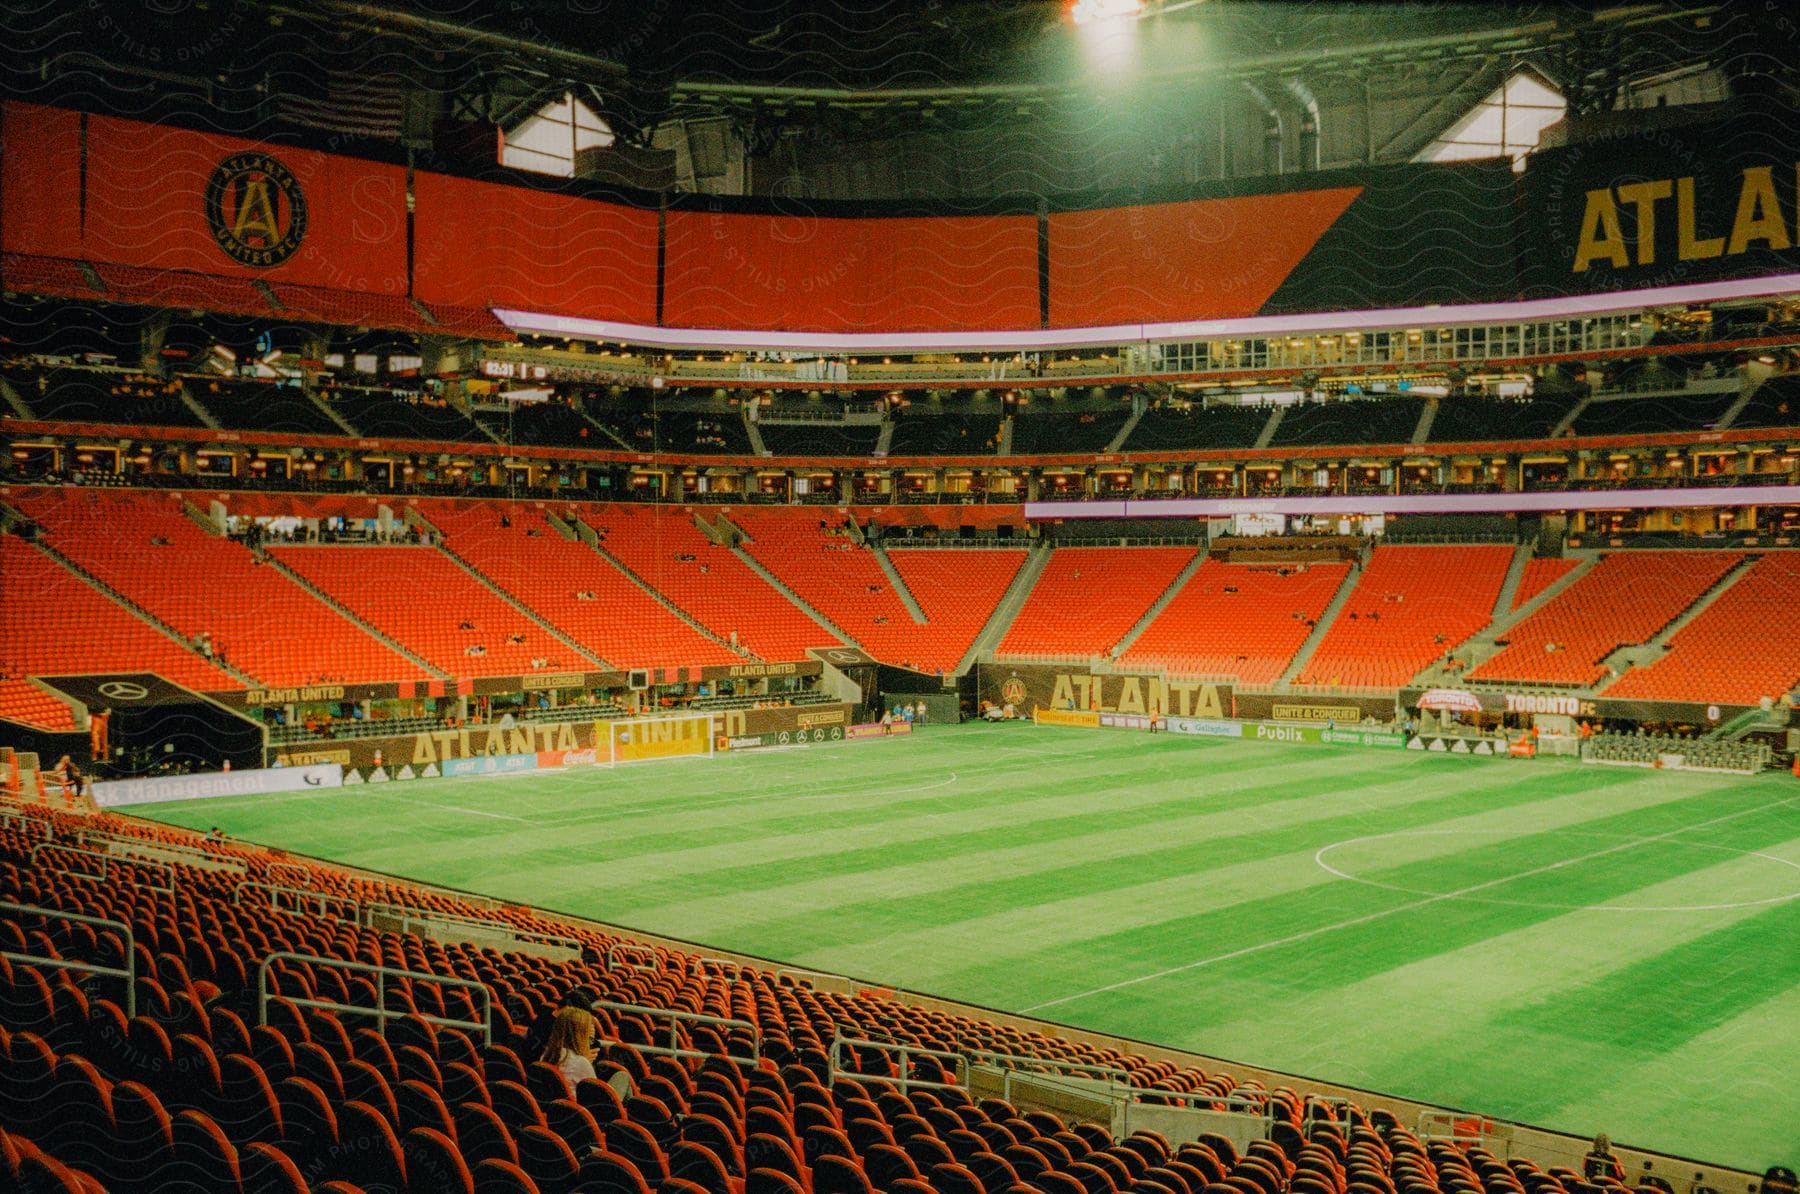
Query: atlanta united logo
x: 255, y: 209
x: 1013, y: 691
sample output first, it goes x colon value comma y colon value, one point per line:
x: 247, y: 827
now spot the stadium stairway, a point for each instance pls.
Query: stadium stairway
x: 1117, y: 443
x: 1304, y: 655
x: 586, y: 534
x: 757, y: 446
x: 774, y: 582
x: 346, y: 613
x: 416, y: 518
x: 13, y: 401
x: 142, y: 614
x: 1753, y: 380
x: 1568, y: 420
x: 1642, y: 655
x: 1515, y: 574
x: 332, y: 413
x: 1483, y: 646
x: 900, y: 590
x: 200, y: 412
x: 1267, y: 435
x: 1010, y: 604
x: 1625, y: 599
x: 1422, y: 430
x: 1156, y: 607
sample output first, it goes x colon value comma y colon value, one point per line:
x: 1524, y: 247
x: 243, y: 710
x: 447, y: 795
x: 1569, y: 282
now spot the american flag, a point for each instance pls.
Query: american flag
x: 350, y: 103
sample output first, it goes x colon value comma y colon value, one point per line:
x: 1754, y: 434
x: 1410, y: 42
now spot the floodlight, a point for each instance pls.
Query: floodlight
x: 1087, y: 12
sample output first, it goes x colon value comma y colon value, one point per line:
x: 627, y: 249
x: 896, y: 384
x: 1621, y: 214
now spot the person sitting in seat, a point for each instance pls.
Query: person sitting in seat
x: 1600, y: 1161
x: 570, y: 1044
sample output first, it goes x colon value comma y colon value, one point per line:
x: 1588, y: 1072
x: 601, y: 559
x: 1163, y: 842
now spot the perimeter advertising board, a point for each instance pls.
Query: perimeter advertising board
x: 1529, y: 704
x: 1317, y: 709
x: 562, y: 742
x: 249, y: 782
x: 1052, y: 689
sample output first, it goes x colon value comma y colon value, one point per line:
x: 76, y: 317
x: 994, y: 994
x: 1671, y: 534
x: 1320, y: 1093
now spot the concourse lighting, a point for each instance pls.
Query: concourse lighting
x: 1087, y: 12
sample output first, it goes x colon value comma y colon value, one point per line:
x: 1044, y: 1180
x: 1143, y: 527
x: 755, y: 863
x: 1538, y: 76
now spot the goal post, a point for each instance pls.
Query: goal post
x: 646, y: 739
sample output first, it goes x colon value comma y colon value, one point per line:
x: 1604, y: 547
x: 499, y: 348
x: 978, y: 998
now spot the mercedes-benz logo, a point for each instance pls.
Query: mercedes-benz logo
x: 124, y: 690
x: 840, y: 656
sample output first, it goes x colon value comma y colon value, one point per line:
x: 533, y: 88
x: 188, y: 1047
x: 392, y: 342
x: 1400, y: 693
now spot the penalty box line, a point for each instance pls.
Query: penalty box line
x: 1354, y: 922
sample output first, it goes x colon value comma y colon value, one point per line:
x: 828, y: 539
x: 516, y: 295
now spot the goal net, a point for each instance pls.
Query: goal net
x: 644, y: 739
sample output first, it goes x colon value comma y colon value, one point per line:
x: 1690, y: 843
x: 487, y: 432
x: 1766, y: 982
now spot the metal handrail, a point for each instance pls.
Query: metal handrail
x: 1024, y: 1061
x: 381, y: 1011
x: 1309, y: 1119
x: 305, y: 871
x: 1448, y: 1123
x: 48, y: 830
x: 678, y: 1018
x: 631, y: 948
x: 142, y: 848
x: 729, y: 970
x: 324, y: 903
x: 1019, y: 1065
x: 106, y: 861
x: 129, y: 973
x: 906, y: 1052
x: 411, y: 915
x: 801, y: 973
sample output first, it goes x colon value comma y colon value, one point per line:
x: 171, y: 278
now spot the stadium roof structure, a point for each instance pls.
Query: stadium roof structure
x: 1367, y: 84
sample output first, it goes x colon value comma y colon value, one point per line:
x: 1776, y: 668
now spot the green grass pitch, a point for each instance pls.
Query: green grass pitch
x: 1585, y: 948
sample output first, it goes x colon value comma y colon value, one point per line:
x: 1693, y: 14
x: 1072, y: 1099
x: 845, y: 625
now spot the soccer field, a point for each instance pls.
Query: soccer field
x: 1584, y: 948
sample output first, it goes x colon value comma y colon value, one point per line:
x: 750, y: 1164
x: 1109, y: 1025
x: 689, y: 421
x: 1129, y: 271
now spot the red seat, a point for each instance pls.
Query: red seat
x: 502, y: 1177
x: 434, y: 1165
x: 202, y: 1157
x: 610, y: 1173
x: 266, y: 1168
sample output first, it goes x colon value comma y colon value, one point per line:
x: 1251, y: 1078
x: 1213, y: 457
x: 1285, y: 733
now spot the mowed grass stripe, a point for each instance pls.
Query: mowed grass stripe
x: 1407, y: 1029
x: 1044, y: 829
x: 1354, y: 951
x: 1667, y: 998
x: 1727, y: 1095
x: 1128, y: 869
x: 836, y: 838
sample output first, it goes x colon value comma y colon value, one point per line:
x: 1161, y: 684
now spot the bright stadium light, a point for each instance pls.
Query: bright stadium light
x: 1087, y: 12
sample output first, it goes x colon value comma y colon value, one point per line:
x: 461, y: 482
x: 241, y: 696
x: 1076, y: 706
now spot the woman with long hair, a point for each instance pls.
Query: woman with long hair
x: 570, y: 1044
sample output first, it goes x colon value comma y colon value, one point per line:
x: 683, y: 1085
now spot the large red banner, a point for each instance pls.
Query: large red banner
x: 812, y: 273
x: 40, y: 180
x: 172, y: 199
x: 482, y: 244
x: 1200, y: 259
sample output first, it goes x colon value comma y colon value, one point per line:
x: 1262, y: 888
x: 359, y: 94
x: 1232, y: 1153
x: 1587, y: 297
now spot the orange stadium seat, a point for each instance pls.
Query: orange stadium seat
x: 148, y: 549
x: 1540, y: 573
x: 54, y: 622
x: 1087, y: 598
x: 1743, y: 647
x: 667, y: 551
x: 957, y: 589
x: 21, y: 703
x: 423, y: 600
x: 1625, y: 599
x: 1410, y: 606
x: 540, y: 569
x: 1240, y: 620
